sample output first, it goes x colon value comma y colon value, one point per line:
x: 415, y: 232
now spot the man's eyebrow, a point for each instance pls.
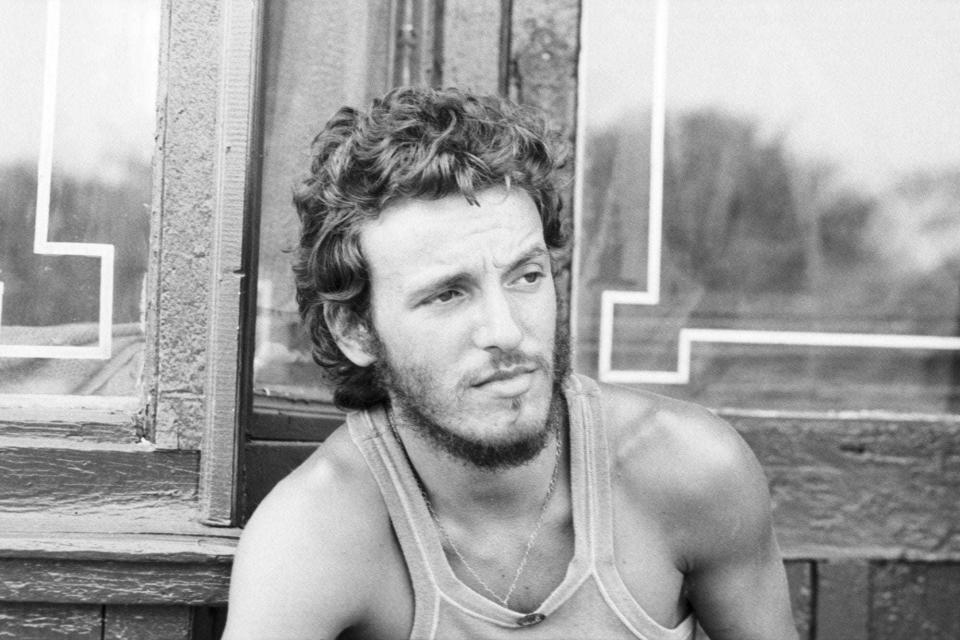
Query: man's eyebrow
x: 453, y: 279
x: 437, y: 284
x: 533, y: 253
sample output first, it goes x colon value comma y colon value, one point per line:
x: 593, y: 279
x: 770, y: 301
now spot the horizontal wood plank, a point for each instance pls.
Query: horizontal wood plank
x: 69, y: 481
x: 860, y: 487
x: 116, y: 568
x: 69, y: 581
x: 118, y: 547
x: 32, y: 621
x: 72, y: 418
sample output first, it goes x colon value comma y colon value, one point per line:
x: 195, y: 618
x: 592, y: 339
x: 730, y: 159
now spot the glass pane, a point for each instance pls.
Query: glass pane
x: 770, y: 202
x: 75, y: 191
x: 347, y: 62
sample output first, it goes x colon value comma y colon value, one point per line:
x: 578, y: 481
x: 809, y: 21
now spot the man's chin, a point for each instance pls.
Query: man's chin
x: 506, y: 434
x: 496, y: 454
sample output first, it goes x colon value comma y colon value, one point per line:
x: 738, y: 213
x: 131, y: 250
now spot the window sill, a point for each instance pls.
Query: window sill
x: 112, y: 568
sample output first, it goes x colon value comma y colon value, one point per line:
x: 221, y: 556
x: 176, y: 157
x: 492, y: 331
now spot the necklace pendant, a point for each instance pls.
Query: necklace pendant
x: 531, y: 619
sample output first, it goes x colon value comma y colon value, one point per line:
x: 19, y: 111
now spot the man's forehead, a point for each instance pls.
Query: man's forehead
x: 451, y: 230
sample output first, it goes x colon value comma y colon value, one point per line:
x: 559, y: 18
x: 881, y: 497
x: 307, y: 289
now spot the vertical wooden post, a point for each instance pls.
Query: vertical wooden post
x: 240, y: 62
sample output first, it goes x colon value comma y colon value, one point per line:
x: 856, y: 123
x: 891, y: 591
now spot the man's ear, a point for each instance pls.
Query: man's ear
x: 351, y: 334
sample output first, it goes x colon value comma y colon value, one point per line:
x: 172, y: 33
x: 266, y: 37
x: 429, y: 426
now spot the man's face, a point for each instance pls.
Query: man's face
x: 464, y: 311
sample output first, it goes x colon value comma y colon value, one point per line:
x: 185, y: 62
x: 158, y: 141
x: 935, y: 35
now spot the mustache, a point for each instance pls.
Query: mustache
x: 508, y: 365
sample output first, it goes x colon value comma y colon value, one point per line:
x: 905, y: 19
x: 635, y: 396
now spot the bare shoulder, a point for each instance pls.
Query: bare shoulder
x: 691, y: 466
x: 301, y: 567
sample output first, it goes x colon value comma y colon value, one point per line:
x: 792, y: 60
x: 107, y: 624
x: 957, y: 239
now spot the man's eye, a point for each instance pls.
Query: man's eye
x: 532, y: 277
x: 445, y: 296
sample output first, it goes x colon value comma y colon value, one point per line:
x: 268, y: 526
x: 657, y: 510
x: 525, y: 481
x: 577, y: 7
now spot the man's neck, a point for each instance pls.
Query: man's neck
x: 462, y: 491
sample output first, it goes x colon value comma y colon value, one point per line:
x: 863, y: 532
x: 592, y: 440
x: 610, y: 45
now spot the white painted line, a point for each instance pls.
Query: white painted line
x: 687, y: 338
x: 657, y: 152
x: 41, y: 245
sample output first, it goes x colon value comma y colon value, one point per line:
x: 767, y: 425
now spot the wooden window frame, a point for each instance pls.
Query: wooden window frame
x: 148, y: 519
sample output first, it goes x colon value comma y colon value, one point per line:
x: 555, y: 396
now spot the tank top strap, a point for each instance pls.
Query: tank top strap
x: 600, y: 494
x: 587, y: 429
x: 370, y: 432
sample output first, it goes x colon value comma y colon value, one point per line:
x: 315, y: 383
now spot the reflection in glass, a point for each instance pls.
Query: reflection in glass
x: 346, y: 62
x: 810, y: 184
x: 103, y: 122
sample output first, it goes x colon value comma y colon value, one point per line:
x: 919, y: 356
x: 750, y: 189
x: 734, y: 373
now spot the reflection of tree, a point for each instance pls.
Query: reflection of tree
x: 755, y: 236
x: 728, y: 206
x: 916, y: 231
x: 45, y: 290
x: 745, y: 221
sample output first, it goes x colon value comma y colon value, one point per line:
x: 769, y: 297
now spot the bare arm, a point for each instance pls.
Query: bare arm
x: 735, y: 576
x: 295, y: 575
x: 694, y: 476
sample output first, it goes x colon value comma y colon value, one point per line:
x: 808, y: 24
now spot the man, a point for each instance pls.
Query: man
x: 479, y: 489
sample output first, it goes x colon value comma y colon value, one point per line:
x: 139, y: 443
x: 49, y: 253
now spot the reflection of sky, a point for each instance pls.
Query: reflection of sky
x: 106, y: 82
x: 871, y: 84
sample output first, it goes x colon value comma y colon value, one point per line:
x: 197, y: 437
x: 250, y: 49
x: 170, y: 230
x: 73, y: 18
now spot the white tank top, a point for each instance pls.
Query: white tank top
x: 592, y: 601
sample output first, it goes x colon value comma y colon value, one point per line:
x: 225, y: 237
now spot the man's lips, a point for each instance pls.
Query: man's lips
x: 505, y: 374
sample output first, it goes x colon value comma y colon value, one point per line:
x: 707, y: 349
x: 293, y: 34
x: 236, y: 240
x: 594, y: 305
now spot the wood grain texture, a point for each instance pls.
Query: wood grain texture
x: 240, y: 60
x: 31, y: 621
x: 124, y: 622
x: 93, y: 481
x: 861, y: 487
x: 915, y: 600
x: 68, y: 581
x: 120, y: 547
x: 70, y: 418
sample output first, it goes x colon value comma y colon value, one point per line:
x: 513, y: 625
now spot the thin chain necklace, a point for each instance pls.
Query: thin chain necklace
x: 505, y: 599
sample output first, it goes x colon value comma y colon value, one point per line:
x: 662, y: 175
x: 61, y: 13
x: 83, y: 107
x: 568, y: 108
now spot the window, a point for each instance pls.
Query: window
x: 770, y: 203
x: 75, y: 193
x: 350, y: 63
x: 146, y: 144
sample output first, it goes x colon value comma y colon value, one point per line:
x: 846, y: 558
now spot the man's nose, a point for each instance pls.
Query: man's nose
x: 497, y: 326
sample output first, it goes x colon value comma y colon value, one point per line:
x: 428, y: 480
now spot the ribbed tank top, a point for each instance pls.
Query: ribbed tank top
x: 592, y: 601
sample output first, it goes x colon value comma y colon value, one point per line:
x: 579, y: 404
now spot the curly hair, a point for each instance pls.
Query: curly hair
x: 412, y: 143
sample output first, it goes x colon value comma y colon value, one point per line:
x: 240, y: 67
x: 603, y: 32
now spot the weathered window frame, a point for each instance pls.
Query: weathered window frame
x: 148, y: 517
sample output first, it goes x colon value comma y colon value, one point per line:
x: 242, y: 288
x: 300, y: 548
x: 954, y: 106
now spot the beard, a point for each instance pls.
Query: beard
x: 414, y: 401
